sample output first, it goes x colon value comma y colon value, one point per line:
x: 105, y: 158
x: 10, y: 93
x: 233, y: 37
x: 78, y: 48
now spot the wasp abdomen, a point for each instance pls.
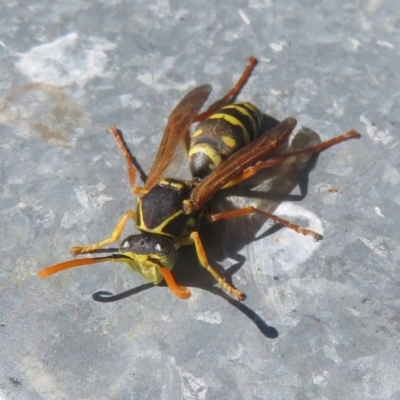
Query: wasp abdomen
x: 222, y: 134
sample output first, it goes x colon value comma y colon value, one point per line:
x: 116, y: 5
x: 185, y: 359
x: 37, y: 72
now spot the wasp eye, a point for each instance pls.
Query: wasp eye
x: 160, y: 248
x: 125, y: 244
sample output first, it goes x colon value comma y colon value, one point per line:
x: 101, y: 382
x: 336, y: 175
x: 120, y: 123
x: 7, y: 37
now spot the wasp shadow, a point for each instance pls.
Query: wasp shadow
x: 265, y: 191
x: 188, y: 273
x: 281, y: 181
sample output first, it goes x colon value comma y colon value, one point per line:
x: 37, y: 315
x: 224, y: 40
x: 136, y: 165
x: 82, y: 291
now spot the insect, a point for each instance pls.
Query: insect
x: 229, y: 145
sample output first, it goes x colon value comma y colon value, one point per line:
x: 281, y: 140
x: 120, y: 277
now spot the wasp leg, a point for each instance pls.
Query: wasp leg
x: 278, y: 159
x: 182, y: 292
x: 113, y: 238
x: 201, y: 254
x: 128, y: 158
x: 252, y: 210
x: 227, y: 99
x: 231, y: 95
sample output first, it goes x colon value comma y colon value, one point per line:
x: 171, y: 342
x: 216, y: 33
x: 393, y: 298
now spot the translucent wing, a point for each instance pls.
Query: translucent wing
x: 179, y: 121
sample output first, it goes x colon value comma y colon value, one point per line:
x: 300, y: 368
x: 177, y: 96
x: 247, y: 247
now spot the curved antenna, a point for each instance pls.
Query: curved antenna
x: 45, y: 272
x: 181, y: 292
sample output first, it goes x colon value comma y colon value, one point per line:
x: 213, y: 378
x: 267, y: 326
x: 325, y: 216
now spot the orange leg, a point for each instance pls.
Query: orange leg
x: 231, y: 95
x: 182, y: 292
x: 278, y: 159
x: 252, y: 210
x: 128, y: 158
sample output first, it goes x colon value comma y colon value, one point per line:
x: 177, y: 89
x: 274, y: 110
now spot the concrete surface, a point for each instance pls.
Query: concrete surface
x: 321, y: 321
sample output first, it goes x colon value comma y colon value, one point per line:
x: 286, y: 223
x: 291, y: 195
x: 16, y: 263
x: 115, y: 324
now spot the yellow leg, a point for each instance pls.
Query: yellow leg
x: 113, y: 238
x: 201, y: 254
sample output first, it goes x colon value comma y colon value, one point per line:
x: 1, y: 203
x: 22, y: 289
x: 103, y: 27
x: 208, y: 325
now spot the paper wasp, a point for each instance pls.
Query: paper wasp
x: 228, y: 147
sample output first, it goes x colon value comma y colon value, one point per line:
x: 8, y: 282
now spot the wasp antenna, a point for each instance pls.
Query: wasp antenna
x: 44, y: 273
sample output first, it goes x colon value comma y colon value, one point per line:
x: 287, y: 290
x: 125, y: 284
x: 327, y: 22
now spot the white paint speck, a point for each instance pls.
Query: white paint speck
x: 277, y: 92
x: 151, y: 80
x: 353, y: 311
x: 354, y: 43
x: 383, y: 43
x: 244, y: 17
x: 379, y: 212
x: 391, y: 175
x: 320, y: 379
x: 91, y: 194
x: 376, y: 246
x: 95, y: 159
x: 213, y: 318
x: 277, y: 47
x: 260, y: 4
x: 330, y: 352
x: 66, y: 60
x: 335, y: 110
x: 82, y: 196
x: 193, y: 388
x: 127, y: 101
x: 374, y: 133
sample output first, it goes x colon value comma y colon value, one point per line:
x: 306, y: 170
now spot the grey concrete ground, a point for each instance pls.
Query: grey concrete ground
x: 321, y: 321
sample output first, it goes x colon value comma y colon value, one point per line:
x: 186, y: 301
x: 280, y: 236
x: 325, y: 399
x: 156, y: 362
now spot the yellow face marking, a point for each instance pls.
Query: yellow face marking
x: 141, y: 264
x: 233, y: 121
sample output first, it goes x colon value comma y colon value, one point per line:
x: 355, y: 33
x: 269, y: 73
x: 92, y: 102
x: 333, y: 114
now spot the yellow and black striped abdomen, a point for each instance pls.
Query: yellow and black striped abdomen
x: 222, y: 134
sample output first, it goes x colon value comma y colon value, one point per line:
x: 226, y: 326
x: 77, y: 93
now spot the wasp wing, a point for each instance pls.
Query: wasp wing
x: 246, y: 157
x: 178, y: 122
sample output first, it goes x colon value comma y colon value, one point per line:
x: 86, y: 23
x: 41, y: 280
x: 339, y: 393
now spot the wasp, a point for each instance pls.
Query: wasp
x: 230, y: 144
